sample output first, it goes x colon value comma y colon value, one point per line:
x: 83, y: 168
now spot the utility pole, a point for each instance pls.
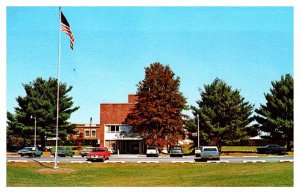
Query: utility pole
x: 34, y: 130
x: 198, y: 132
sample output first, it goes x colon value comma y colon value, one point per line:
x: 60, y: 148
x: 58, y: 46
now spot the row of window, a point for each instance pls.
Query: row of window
x: 108, y: 129
x: 113, y: 128
x: 117, y: 128
x: 90, y: 133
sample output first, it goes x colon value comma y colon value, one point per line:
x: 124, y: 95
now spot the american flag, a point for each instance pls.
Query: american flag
x: 66, y: 28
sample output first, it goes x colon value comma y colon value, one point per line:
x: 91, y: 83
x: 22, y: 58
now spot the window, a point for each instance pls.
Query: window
x: 93, y: 134
x: 113, y: 128
x: 86, y: 133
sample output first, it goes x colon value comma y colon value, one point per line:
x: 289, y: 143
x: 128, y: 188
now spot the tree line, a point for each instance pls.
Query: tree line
x: 224, y: 115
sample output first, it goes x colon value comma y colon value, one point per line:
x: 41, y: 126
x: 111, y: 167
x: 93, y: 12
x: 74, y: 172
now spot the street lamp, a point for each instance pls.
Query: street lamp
x: 34, y: 129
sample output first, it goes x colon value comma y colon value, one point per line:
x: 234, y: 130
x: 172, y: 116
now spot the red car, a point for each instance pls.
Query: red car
x: 98, y: 154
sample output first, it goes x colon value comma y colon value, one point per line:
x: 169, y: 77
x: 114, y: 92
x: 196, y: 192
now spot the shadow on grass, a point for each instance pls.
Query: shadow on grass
x: 41, y: 164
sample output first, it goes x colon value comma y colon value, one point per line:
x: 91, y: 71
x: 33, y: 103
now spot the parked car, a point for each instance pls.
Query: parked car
x: 98, y: 154
x: 197, y: 151
x: 48, y: 148
x: 207, y: 153
x: 30, y: 151
x: 86, y: 151
x: 176, y: 151
x: 272, y: 149
x: 152, y: 151
x: 63, y: 152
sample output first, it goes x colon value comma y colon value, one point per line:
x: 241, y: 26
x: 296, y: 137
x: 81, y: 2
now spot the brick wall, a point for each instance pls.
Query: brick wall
x: 114, y: 113
x: 80, y: 128
x: 132, y: 98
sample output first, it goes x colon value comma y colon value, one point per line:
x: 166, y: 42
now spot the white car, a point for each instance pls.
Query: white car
x: 152, y: 151
x: 206, y: 153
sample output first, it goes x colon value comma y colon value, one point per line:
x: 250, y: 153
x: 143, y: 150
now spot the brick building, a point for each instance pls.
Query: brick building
x: 114, y: 133
x: 89, y: 131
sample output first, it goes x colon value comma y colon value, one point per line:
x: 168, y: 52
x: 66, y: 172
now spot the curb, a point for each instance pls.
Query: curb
x: 281, y: 161
x: 17, y: 161
x: 82, y: 162
x: 148, y: 162
x: 114, y: 162
x: 48, y: 161
x: 254, y: 161
x: 217, y: 161
x: 183, y: 161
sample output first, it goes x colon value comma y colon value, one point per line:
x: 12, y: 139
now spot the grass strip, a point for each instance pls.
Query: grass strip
x: 150, y: 175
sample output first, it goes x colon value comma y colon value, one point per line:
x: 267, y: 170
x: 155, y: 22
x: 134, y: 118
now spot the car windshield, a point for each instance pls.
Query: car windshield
x: 210, y: 149
x: 98, y: 150
x: 151, y: 147
x: 176, y: 150
x: 272, y: 145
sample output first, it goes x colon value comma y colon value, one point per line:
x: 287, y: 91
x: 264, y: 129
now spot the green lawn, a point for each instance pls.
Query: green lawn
x: 239, y: 148
x: 151, y: 175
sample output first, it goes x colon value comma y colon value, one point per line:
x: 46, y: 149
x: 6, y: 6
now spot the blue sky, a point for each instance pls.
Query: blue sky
x: 247, y: 47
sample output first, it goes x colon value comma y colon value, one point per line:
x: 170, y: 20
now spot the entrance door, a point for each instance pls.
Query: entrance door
x: 130, y: 146
x: 134, y: 147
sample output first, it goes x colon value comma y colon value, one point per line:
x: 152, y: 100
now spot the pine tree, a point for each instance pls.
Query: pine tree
x: 157, y: 115
x: 40, y: 102
x: 276, y: 117
x: 13, y: 132
x: 224, y: 115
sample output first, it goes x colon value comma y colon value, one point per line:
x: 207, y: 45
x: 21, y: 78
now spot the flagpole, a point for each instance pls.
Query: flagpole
x: 58, y: 81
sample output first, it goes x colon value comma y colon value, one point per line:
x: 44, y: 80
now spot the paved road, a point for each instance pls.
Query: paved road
x: 144, y: 159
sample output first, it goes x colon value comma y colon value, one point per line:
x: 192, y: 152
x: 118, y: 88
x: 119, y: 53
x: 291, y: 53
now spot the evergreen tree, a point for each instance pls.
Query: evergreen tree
x: 13, y: 131
x: 157, y: 115
x: 276, y: 117
x: 223, y: 114
x: 40, y: 102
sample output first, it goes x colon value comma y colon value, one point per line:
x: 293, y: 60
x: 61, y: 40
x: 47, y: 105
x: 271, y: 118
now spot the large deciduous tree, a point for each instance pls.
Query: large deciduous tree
x: 276, y: 116
x: 224, y: 115
x: 40, y: 102
x: 157, y: 115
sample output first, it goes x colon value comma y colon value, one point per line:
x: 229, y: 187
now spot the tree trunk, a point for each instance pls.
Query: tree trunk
x: 43, y: 142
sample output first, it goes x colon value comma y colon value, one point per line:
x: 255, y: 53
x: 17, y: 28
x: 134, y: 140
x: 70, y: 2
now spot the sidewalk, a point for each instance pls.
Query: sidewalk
x: 127, y: 155
x: 143, y: 156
